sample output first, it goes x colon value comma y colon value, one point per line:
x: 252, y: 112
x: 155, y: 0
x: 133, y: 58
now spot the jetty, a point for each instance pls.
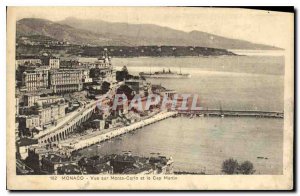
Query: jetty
x: 233, y: 113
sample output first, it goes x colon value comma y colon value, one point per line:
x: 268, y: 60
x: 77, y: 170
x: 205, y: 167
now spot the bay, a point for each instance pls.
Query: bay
x: 202, y: 144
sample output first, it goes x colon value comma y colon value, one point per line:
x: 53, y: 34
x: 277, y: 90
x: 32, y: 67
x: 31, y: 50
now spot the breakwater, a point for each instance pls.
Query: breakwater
x: 94, y: 139
x: 232, y: 113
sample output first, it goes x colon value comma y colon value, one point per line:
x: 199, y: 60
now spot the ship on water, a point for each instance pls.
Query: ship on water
x: 165, y: 74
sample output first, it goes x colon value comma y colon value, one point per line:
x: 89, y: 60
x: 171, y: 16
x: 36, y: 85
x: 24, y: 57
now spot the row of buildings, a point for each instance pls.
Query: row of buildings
x: 40, y: 79
x: 43, y: 79
x: 44, y: 73
x: 46, y: 89
x: 48, y: 60
x: 37, y: 113
x: 53, y: 163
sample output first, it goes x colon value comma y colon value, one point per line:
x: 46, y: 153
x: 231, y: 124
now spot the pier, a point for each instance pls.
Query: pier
x: 232, y: 113
x: 92, y: 139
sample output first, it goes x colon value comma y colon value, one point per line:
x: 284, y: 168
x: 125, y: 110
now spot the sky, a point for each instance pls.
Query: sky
x: 271, y: 28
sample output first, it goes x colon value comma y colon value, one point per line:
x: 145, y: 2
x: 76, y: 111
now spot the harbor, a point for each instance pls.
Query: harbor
x: 202, y: 144
x: 69, y: 125
x: 70, y: 145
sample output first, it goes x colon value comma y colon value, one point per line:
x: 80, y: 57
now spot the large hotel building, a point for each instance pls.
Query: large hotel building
x: 37, y: 79
x: 68, y: 80
x: 57, y: 80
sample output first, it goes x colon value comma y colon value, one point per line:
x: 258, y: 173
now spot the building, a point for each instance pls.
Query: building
x: 103, y: 62
x: 31, y: 99
x: 68, y: 80
x: 103, y: 70
x: 47, y: 112
x: 162, y: 164
x: 54, y: 63
x: 95, y: 165
x: 51, y: 162
x: 50, y: 113
x: 30, y: 60
x: 122, y: 162
x: 69, y: 169
x: 140, y: 87
x: 17, y: 105
x: 23, y: 147
x: 50, y: 99
x: 146, y: 169
x: 17, y: 133
x: 111, y: 122
x: 35, y: 80
x: 98, y: 124
x: 103, y: 75
x: 28, y: 123
x: 50, y: 61
x: 69, y: 64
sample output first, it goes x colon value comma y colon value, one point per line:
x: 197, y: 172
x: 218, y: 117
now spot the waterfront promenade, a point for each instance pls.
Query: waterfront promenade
x: 74, y: 144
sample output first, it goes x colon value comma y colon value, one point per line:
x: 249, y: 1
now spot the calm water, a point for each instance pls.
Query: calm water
x: 202, y: 144
x: 240, y: 82
x: 234, y: 82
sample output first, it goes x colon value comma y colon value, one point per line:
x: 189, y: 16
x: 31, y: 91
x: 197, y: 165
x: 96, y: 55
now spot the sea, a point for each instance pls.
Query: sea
x: 245, y: 82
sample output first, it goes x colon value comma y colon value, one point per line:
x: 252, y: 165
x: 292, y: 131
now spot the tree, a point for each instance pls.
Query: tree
x: 123, y: 74
x: 125, y: 70
x: 230, y: 166
x: 246, y: 168
x: 105, y: 87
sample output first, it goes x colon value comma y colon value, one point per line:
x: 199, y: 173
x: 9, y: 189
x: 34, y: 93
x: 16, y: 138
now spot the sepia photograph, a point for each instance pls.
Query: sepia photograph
x: 163, y: 98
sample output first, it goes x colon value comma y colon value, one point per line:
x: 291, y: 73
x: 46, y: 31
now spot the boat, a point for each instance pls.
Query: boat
x: 221, y: 111
x: 165, y: 74
x: 262, y: 157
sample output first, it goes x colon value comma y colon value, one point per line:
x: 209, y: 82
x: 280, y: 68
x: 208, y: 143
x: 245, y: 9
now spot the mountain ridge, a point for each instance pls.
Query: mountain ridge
x: 102, y: 33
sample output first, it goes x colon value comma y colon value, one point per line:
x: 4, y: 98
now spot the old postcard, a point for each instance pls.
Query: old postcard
x: 149, y: 98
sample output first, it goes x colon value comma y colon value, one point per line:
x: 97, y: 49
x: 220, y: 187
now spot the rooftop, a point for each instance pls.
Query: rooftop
x: 54, y: 158
x: 27, y: 142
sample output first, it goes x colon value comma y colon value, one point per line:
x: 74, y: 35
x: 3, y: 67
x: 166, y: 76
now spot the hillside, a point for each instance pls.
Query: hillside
x: 61, y: 32
x: 101, y: 33
x: 149, y: 34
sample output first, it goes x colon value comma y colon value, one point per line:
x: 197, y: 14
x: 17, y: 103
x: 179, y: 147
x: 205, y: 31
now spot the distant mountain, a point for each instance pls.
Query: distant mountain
x: 98, y: 32
x: 148, y: 34
x: 61, y: 32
